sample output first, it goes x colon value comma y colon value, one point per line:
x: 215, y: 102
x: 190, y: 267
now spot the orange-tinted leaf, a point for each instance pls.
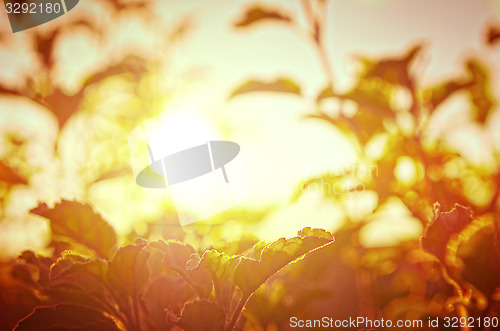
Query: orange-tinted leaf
x: 180, y: 29
x: 361, y: 127
x: 80, y: 223
x: 250, y: 274
x: 327, y: 92
x: 176, y: 258
x: 280, y: 85
x: 64, y: 105
x: 200, y: 315
x: 373, y: 102
x: 444, y: 226
x: 480, y: 91
x: 44, y: 45
x: 10, y: 176
x: 219, y: 264
x: 177, y: 254
x: 221, y: 269
x: 438, y: 94
x: 64, y: 263
x: 165, y: 292
x: 315, y: 232
x: 130, y: 65
x: 24, y: 274
x: 259, y: 14
x: 371, y: 98
x: 126, y: 271
x: 115, y: 173
x: 239, y: 246
x: 393, y: 70
x: 83, y: 283
x: 481, y: 257
x: 66, y: 317
x: 42, y: 263
x: 493, y: 35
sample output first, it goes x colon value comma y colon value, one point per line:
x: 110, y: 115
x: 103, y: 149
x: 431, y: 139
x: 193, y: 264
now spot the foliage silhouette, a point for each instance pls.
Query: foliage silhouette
x: 91, y: 279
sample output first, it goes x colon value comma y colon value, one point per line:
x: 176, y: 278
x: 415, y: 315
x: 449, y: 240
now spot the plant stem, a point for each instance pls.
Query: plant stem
x: 317, y: 36
x: 237, y: 312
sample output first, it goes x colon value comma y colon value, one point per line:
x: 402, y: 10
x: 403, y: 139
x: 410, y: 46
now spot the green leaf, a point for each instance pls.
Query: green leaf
x: 200, y: 315
x: 258, y: 14
x: 250, y: 274
x: 80, y: 223
x: 444, y: 227
x: 280, y: 85
x: 66, y: 317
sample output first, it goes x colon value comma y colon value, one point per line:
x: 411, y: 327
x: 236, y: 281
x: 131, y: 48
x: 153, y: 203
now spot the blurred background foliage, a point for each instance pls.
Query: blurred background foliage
x: 363, y: 148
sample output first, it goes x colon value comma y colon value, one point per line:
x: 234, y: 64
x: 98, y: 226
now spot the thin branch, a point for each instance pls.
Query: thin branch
x: 317, y: 35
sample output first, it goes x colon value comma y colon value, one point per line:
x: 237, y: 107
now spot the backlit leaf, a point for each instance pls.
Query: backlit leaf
x: 82, y: 283
x: 250, y: 274
x: 315, y: 232
x: 238, y: 246
x: 125, y: 271
x: 66, y: 317
x: 11, y: 176
x: 219, y: 264
x: 327, y: 92
x: 42, y: 263
x: 438, y: 94
x: 80, y: 223
x: 165, y: 292
x: 371, y: 98
x: 221, y: 269
x: 493, y: 35
x: 259, y: 14
x: 64, y: 263
x: 395, y: 71
x: 444, y: 226
x: 177, y: 254
x: 481, y: 257
x: 201, y: 315
x: 280, y: 85
x: 176, y: 258
x: 64, y: 105
x: 480, y: 91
